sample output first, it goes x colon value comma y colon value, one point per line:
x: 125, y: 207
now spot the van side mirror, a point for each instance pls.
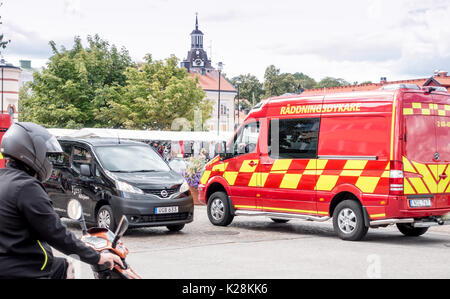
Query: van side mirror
x: 85, y: 170
x: 121, y: 229
x: 242, y: 148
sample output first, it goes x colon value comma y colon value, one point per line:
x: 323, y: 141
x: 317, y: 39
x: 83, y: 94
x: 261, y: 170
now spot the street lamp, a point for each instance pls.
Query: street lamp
x: 238, y: 83
x: 219, y: 68
x: 2, y: 65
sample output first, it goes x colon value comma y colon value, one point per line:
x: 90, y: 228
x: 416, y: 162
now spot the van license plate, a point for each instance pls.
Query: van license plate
x: 417, y: 203
x: 166, y: 210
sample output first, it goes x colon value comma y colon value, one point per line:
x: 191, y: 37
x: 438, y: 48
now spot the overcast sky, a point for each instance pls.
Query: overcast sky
x: 356, y: 40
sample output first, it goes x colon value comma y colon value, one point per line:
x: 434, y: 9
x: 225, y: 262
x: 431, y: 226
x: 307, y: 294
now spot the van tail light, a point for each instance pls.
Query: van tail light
x: 396, y: 178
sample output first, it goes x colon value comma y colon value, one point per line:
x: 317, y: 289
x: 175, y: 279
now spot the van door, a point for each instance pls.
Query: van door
x: 425, y: 147
x: 290, y: 164
x: 442, y: 112
x: 240, y: 171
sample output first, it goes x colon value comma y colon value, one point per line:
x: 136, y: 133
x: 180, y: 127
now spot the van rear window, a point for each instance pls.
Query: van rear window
x: 293, y: 138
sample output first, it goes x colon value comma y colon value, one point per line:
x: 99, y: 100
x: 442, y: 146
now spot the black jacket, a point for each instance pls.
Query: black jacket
x: 29, y: 226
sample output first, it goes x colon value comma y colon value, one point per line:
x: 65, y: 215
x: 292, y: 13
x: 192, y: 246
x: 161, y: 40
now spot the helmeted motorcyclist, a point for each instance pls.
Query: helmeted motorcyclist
x: 28, y: 223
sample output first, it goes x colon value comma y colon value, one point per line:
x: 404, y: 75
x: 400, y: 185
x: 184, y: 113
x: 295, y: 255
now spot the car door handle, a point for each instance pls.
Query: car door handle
x: 443, y: 176
x: 251, y: 163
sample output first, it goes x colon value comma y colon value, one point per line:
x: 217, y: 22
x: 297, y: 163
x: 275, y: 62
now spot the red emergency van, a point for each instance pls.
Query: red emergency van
x: 364, y: 159
x: 5, y: 123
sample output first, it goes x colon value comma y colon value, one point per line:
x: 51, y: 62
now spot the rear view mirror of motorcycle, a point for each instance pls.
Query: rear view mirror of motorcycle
x: 74, y: 209
x: 75, y: 212
x: 121, y: 229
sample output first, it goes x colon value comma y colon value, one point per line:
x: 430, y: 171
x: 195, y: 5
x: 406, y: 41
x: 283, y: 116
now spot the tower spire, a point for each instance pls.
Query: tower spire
x: 196, y: 21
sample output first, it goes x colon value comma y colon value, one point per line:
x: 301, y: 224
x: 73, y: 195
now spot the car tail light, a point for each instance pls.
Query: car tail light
x: 396, y: 178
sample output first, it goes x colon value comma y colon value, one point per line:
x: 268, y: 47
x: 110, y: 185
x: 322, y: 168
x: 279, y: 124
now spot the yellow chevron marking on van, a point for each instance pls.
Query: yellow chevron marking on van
x: 258, y: 179
x: 408, y: 111
x: 394, y: 104
x: 417, y: 105
x: 351, y: 172
x: 355, y: 164
x: 311, y: 164
x: 220, y: 167
x: 290, y: 180
x: 407, y: 187
x: 326, y: 182
x: 407, y: 166
x: 419, y: 185
x: 367, y: 184
x: 428, y: 177
x: 321, y: 164
x: 281, y: 164
x: 1, y: 156
x: 230, y: 176
x: 205, y: 176
x: 245, y: 167
x: 434, y: 171
x: 443, y: 182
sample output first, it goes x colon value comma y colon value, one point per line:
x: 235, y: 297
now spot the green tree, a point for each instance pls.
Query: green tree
x: 76, y: 85
x: 331, y: 82
x: 156, y: 94
x: 276, y: 84
x: 250, y: 89
x: 305, y: 81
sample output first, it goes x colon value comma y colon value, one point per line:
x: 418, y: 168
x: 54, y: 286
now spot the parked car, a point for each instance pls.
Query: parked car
x: 112, y: 177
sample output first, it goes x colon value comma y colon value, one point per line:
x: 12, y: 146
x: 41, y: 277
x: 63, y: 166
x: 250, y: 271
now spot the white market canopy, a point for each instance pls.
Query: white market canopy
x: 142, y: 134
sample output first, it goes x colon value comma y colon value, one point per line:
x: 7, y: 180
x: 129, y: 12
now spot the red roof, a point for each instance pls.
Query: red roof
x: 442, y: 80
x: 210, y: 81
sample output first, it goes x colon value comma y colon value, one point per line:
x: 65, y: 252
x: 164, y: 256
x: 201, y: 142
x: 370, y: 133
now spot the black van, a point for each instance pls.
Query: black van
x: 112, y: 177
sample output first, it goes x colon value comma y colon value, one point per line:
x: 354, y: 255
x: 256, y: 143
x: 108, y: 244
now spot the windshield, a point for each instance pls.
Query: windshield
x: 133, y: 158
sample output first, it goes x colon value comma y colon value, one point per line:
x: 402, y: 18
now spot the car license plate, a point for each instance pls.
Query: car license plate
x: 166, y: 210
x: 417, y: 203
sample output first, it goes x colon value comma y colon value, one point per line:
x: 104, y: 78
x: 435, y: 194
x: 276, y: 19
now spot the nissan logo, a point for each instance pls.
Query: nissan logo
x: 164, y: 193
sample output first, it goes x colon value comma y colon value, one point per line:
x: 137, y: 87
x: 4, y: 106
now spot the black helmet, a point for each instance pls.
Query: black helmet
x: 30, y: 143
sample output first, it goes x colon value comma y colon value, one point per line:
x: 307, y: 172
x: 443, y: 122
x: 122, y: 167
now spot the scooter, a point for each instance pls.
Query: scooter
x: 104, y: 240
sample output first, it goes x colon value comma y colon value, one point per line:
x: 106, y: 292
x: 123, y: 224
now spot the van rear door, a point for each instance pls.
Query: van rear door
x: 425, y: 147
x: 442, y: 103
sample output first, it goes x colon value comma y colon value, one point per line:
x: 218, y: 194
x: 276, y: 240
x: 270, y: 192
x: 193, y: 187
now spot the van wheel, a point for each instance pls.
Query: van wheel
x: 278, y: 220
x: 218, y: 209
x: 175, y: 227
x: 411, y: 231
x: 348, y: 221
x: 105, y: 218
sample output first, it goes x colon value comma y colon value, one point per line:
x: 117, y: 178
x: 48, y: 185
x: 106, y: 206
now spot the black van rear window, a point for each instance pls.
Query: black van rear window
x: 293, y: 138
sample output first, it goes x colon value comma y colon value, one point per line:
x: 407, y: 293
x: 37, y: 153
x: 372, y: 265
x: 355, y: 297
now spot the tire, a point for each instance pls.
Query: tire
x: 410, y: 231
x: 348, y: 221
x: 175, y: 227
x: 278, y: 220
x: 218, y: 209
x: 105, y: 218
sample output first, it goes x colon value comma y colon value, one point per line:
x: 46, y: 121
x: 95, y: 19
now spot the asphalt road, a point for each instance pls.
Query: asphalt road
x: 257, y: 248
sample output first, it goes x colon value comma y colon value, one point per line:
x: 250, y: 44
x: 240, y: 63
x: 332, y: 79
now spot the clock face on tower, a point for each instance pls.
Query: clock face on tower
x: 197, y: 62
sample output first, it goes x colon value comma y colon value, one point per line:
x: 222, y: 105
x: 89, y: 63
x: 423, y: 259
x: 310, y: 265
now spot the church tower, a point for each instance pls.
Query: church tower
x: 197, y: 58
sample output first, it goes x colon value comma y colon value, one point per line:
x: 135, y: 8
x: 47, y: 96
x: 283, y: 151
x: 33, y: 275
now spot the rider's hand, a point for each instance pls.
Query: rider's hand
x: 110, y: 258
